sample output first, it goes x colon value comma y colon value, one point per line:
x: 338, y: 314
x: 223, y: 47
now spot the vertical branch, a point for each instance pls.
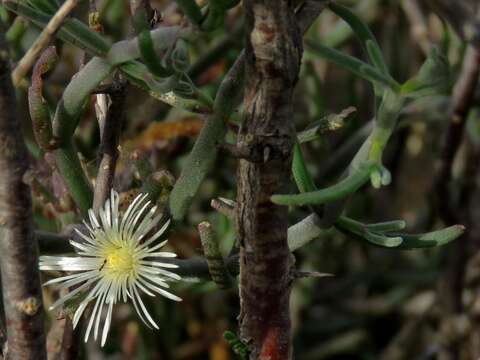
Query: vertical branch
x: 273, y: 53
x: 108, y: 153
x: 22, y: 294
x: 463, y: 93
x: 452, y: 283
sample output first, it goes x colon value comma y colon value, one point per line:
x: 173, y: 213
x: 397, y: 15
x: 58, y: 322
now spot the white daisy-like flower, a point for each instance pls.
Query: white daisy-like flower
x: 114, y: 262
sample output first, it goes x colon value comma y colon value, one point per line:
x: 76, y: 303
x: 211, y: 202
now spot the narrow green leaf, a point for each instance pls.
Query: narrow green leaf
x: 394, y: 225
x: 333, y: 193
x: 431, y: 239
x: 360, y: 231
x: 382, y: 240
x: 376, y: 57
x: 361, y: 29
x: 358, y: 67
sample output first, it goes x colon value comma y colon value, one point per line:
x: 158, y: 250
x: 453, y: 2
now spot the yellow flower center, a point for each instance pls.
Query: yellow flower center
x: 119, y: 261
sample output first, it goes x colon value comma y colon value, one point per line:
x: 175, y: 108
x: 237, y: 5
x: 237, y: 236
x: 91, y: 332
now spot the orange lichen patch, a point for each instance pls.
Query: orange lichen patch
x: 187, y: 127
x: 270, y: 349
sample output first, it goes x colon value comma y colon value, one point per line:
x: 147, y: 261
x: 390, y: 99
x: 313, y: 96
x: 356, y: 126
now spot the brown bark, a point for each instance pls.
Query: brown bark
x: 22, y: 294
x: 273, y: 53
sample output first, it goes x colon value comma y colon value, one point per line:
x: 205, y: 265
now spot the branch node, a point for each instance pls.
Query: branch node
x: 29, y: 306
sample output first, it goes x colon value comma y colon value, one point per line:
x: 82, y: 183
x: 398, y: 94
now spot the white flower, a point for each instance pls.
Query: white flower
x: 114, y: 262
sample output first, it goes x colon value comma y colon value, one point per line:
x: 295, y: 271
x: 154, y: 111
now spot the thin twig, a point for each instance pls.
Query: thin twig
x: 225, y: 207
x: 42, y: 41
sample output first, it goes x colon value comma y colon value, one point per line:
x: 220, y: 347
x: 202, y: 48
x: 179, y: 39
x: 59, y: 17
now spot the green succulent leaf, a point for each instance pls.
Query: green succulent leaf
x: 431, y: 239
x: 340, y: 190
x: 356, y: 66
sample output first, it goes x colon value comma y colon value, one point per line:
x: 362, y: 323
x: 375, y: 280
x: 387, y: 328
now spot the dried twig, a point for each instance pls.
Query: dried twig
x: 42, y: 41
